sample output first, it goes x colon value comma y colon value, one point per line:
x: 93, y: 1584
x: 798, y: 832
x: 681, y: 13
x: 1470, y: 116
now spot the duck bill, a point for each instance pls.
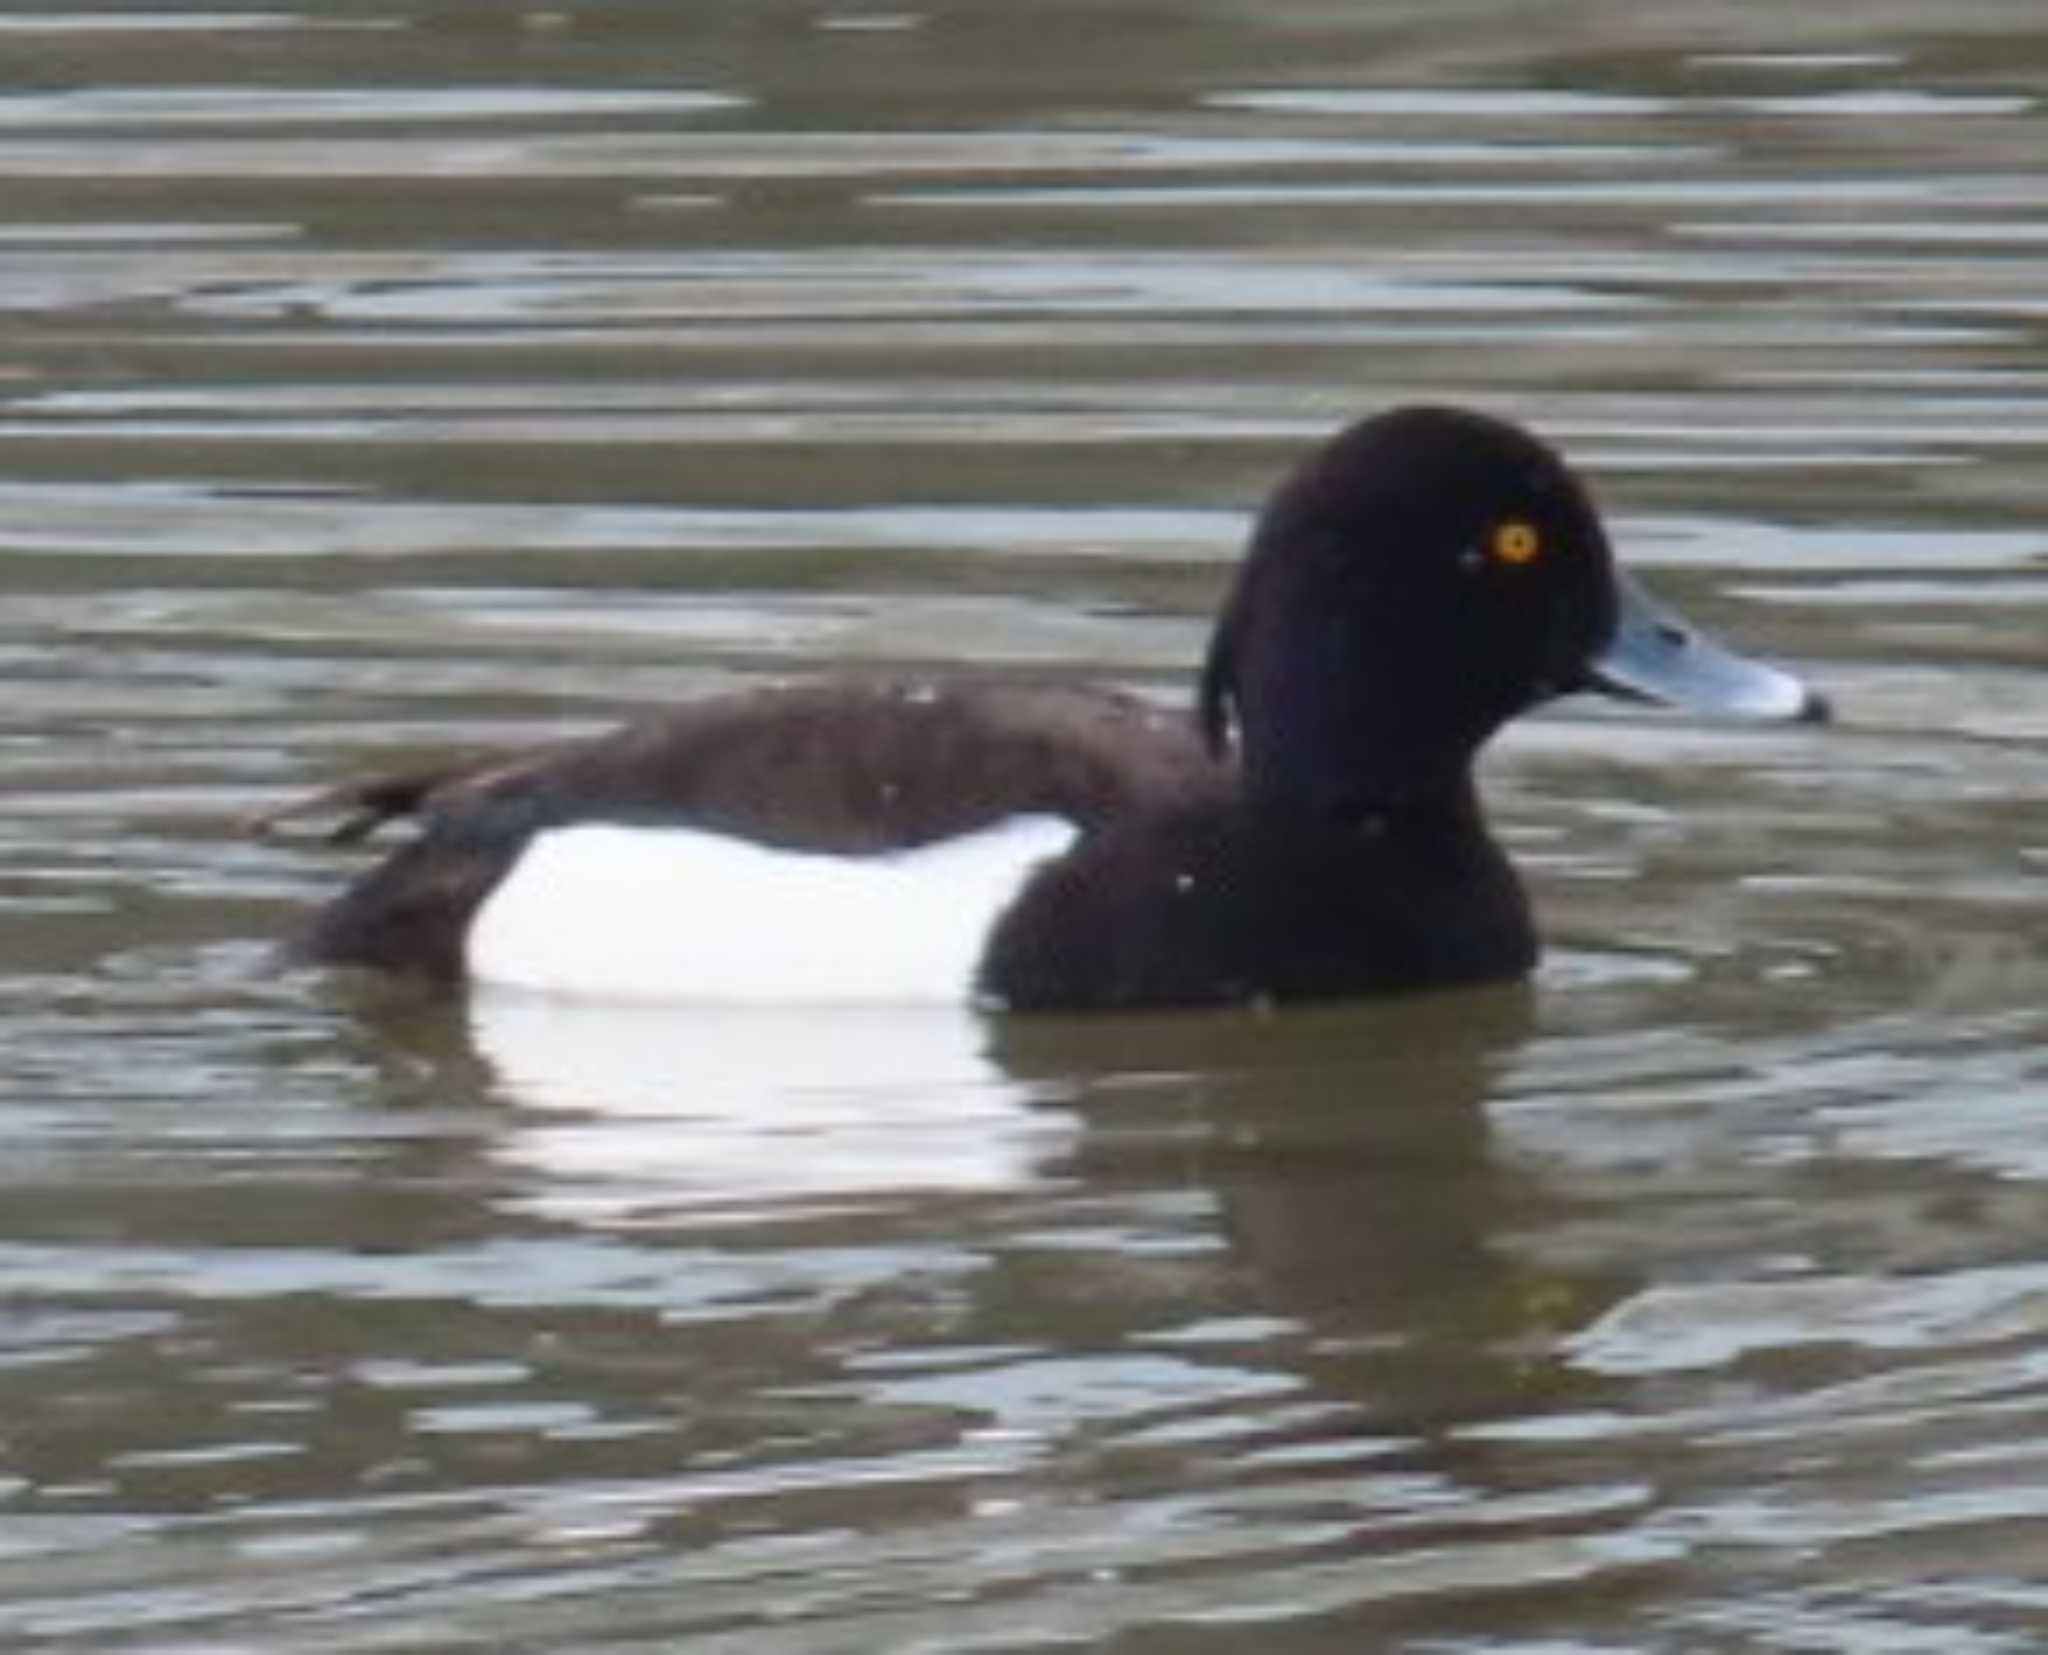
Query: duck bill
x: 1658, y: 655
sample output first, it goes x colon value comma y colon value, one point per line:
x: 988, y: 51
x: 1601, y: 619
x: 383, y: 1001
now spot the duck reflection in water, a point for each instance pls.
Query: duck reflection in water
x: 1345, y: 1178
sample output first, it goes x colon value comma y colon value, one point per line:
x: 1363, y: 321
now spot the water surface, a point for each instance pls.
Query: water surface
x: 385, y: 381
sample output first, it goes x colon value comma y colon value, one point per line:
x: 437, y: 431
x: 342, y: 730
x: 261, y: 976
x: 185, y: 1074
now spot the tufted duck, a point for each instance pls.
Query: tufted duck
x: 1313, y: 834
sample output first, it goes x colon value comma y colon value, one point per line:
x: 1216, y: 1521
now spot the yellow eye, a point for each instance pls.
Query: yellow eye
x: 1517, y: 542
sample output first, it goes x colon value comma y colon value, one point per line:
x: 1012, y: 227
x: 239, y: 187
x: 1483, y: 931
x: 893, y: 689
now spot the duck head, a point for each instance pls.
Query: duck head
x: 1426, y: 576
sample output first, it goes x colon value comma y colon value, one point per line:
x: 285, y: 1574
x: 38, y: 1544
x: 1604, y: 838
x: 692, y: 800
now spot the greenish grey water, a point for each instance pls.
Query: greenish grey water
x: 387, y: 380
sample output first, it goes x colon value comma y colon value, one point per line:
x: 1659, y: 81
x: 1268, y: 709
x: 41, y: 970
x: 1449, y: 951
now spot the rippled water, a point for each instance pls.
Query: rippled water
x: 381, y: 381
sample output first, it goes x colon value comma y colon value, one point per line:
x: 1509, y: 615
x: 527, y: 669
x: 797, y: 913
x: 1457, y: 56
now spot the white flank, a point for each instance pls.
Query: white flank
x: 641, y: 913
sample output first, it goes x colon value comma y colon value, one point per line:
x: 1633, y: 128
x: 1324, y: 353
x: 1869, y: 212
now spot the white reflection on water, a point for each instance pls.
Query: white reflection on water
x: 181, y: 22
x: 640, y: 1111
x: 171, y: 520
x: 108, y: 108
x: 1670, y: 1329
x: 839, y: 283
x: 1514, y: 103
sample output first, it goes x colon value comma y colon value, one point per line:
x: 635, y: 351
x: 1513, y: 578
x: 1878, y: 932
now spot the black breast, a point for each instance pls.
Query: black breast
x: 1217, y: 903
